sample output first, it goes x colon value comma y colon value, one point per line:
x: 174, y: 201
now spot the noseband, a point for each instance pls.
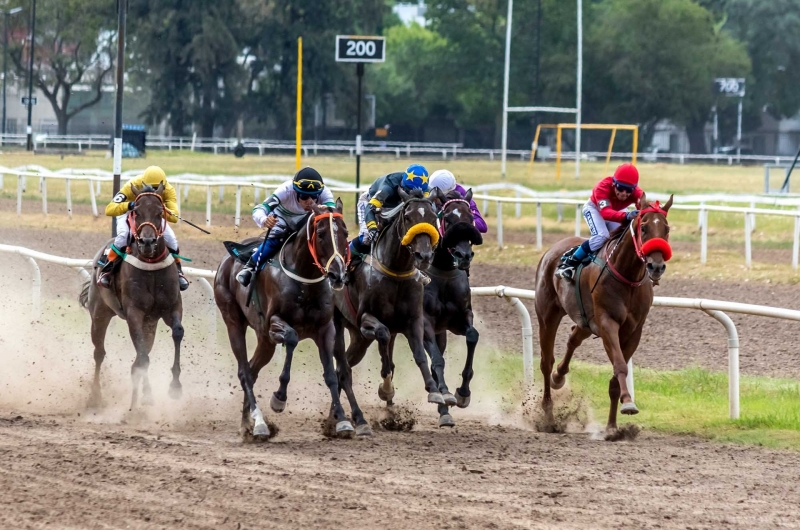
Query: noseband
x: 136, y: 227
x: 311, y: 235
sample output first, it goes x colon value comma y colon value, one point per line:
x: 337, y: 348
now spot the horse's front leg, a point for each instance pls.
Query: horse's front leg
x: 609, y: 332
x: 373, y: 329
x: 142, y: 332
x: 174, y: 322
x: 576, y: 338
x: 325, y: 341
x: 437, y: 362
x: 415, y: 336
x: 282, y: 333
x: 471, y: 334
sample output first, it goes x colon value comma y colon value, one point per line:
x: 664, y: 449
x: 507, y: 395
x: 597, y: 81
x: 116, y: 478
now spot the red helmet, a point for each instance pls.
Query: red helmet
x: 627, y: 174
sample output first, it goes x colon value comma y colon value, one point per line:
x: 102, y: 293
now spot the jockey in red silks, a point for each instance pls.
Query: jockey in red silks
x: 605, y: 211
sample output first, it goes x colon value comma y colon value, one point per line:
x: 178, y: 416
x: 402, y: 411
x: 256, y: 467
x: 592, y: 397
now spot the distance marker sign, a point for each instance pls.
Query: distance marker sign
x: 358, y: 49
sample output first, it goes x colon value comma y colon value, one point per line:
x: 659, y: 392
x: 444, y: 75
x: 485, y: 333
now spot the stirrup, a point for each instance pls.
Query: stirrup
x: 245, y: 276
x: 566, y: 272
x: 104, y: 280
x: 183, y: 283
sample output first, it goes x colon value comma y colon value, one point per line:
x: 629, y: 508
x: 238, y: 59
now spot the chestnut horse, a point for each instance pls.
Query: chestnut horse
x: 144, y: 291
x: 613, y: 298
x: 448, y: 299
x: 293, y: 300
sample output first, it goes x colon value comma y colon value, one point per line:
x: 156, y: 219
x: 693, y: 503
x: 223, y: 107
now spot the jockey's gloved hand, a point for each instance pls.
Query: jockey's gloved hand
x: 131, y: 205
x: 260, y: 217
x: 632, y: 215
x: 373, y: 234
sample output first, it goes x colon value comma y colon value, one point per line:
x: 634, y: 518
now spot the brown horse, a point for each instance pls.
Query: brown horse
x: 292, y: 301
x: 384, y: 298
x: 145, y: 290
x: 616, y: 294
x: 448, y: 300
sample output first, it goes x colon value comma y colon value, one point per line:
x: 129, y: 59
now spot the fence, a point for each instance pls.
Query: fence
x: 185, y: 181
x: 714, y: 308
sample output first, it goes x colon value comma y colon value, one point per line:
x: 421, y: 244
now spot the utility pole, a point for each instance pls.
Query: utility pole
x: 5, y: 58
x: 30, y: 78
x: 122, y: 5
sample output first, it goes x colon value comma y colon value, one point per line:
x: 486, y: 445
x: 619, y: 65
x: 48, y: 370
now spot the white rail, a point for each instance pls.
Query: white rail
x: 715, y: 308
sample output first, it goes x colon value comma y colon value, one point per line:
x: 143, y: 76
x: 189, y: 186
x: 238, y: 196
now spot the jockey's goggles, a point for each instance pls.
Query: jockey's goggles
x: 311, y: 187
x: 621, y: 186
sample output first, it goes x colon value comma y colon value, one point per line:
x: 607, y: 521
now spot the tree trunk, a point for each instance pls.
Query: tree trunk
x: 695, y: 130
x: 63, y: 120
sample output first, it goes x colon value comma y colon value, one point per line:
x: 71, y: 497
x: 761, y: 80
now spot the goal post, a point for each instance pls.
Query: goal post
x: 559, y: 127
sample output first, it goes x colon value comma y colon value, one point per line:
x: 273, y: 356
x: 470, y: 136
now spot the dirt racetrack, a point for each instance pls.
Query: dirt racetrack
x: 183, y: 465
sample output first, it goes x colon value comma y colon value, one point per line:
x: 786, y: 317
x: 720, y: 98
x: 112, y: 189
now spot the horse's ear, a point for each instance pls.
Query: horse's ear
x: 668, y: 204
x: 339, y: 205
x: 316, y: 210
x: 468, y: 195
x: 643, y: 201
x: 135, y: 190
x: 160, y: 189
x: 403, y: 195
x: 437, y: 197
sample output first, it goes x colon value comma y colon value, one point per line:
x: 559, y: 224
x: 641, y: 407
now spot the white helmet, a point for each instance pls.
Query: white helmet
x: 442, y: 179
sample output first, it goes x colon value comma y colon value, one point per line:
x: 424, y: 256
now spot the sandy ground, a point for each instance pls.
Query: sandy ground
x: 182, y: 464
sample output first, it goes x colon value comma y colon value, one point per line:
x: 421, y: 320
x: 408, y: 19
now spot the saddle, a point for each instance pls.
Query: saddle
x: 242, y: 251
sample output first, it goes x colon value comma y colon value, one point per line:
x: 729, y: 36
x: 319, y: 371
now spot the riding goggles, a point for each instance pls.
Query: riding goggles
x: 621, y: 186
x: 306, y: 196
x: 311, y: 187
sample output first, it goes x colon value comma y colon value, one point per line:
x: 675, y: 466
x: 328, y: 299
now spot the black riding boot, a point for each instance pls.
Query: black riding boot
x: 106, y: 273
x: 246, y: 274
x: 182, y: 281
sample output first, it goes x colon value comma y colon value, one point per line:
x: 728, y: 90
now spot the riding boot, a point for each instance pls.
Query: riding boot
x: 357, y: 252
x: 107, y: 270
x: 265, y: 252
x: 246, y: 274
x: 182, y: 281
x: 572, y: 260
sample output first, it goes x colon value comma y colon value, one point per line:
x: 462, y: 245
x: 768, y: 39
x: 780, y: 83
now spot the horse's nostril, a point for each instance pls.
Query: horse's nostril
x: 418, y: 256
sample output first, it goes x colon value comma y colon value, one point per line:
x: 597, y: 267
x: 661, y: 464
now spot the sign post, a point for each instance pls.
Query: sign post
x: 359, y: 49
x: 732, y: 87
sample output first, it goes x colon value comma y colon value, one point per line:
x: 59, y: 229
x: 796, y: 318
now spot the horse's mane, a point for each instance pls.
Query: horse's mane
x: 453, y: 194
x: 619, y: 230
x: 391, y: 214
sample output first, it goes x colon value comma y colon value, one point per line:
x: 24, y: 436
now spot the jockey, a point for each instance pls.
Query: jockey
x: 120, y: 207
x: 384, y: 194
x: 604, y: 212
x: 445, y: 181
x: 283, y: 212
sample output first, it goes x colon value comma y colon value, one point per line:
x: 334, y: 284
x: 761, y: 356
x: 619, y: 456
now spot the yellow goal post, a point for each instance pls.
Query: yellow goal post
x: 613, y: 127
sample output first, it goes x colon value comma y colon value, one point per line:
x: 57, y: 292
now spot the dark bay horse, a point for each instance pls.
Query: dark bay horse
x: 616, y: 294
x: 448, y: 302
x: 384, y: 297
x: 145, y: 290
x: 292, y: 301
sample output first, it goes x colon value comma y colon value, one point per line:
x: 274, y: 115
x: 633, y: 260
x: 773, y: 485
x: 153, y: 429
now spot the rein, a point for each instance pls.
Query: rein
x: 405, y: 240
x: 311, y: 235
x: 136, y: 227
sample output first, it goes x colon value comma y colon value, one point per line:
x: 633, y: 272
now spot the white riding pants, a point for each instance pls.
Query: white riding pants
x: 599, y: 228
x: 124, y: 233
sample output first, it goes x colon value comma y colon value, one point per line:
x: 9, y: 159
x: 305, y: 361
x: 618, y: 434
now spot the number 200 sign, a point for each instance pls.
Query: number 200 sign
x: 358, y: 49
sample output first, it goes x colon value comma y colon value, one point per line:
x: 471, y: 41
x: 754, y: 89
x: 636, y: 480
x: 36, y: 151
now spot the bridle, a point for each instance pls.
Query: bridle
x: 136, y: 227
x: 441, y: 214
x: 422, y: 227
x: 642, y: 249
x: 311, y: 235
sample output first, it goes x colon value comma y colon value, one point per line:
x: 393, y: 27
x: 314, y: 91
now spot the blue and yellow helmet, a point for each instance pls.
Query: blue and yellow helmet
x: 416, y: 178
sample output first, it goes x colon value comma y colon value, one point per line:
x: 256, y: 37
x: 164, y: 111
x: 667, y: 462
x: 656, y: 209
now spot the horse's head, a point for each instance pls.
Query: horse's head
x: 457, y: 227
x: 147, y: 219
x: 327, y: 241
x: 653, y: 235
x: 417, y: 225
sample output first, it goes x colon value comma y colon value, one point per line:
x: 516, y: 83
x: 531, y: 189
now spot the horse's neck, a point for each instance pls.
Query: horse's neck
x: 442, y: 259
x: 625, y: 259
x: 298, y: 256
x: 390, y: 252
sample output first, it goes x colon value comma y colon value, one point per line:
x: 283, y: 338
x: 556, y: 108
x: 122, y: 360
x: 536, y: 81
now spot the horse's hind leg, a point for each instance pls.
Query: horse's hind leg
x: 282, y: 333
x: 578, y: 335
x: 174, y: 322
x: 548, y: 327
x: 373, y: 329
x: 101, y: 317
x: 345, y: 372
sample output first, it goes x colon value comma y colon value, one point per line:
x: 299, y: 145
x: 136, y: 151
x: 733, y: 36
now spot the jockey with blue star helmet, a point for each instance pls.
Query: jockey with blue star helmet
x: 384, y: 194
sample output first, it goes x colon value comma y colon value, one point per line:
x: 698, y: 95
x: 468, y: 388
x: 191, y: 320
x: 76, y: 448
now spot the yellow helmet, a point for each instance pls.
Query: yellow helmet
x: 154, y: 176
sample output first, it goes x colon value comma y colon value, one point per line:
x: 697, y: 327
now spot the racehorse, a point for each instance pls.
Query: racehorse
x: 447, y: 302
x: 291, y: 301
x: 383, y: 297
x: 145, y: 290
x: 610, y: 300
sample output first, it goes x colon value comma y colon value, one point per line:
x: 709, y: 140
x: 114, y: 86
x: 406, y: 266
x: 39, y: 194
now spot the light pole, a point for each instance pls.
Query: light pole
x: 122, y: 6
x: 30, y: 78
x: 5, y: 58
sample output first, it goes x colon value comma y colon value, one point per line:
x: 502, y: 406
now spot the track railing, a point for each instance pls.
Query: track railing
x: 715, y: 308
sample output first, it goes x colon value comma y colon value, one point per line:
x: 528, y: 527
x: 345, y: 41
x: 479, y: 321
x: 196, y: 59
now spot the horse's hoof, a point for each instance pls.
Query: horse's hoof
x: 344, y: 429
x: 384, y: 395
x: 446, y: 420
x: 364, y: 430
x: 147, y: 401
x: 175, y: 392
x: 261, y: 429
x: 462, y: 401
x: 557, y: 381
x: 276, y: 404
x: 449, y: 399
x: 435, y: 397
x: 629, y: 408
x: 95, y: 402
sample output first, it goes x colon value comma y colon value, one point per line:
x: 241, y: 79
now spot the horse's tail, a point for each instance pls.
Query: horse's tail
x: 83, y: 298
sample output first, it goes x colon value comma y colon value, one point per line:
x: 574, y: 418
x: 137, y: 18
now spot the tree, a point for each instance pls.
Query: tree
x: 655, y: 59
x: 74, y: 46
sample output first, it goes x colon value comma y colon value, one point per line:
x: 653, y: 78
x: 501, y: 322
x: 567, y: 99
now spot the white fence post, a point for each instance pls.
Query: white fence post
x: 499, y: 225
x: 703, y: 236
x: 700, y: 215
x: 36, y: 299
x: 752, y: 217
x: 93, y: 198
x: 559, y: 212
x: 69, y: 198
x: 221, y: 194
x: 256, y: 196
x: 2, y: 180
x: 733, y: 361
x: 748, y: 251
x: 208, y: 205
x: 237, y: 219
x: 527, y: 338
x: 538, y: 226
x: 578, y: 216
x: 98, y: 189
x: 43, y: 187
